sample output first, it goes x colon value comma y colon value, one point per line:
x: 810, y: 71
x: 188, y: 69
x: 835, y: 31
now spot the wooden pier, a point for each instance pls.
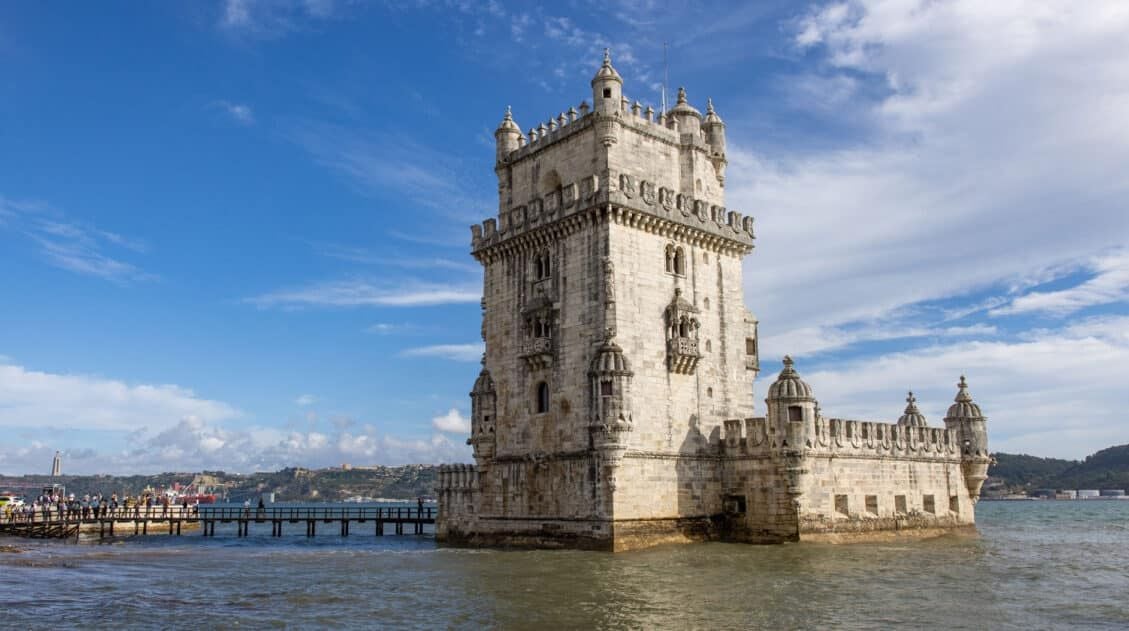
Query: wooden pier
x: 339, y: 519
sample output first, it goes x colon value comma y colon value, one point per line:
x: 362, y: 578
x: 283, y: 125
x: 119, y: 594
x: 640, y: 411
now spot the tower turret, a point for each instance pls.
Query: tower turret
x: 507, y: 136
x: 791, y: 407
x: 714, y: 128
x: 688, y: 117
x: 483, y: 413
x: 610, y: 405
x: 964, y: 415
x: 607, y: 88
x: 912, y: 417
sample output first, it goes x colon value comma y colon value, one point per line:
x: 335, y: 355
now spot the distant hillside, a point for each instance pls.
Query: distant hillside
x: 288, y: 485
x: 1106, y: 469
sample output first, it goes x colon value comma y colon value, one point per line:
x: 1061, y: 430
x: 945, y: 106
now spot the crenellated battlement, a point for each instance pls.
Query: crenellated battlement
x: 645, y: 204
x: 663, y: 127
x: 457, y: 478
x: 843, y: 437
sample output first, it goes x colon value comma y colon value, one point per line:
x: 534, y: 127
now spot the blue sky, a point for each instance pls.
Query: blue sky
x: 234, y: 234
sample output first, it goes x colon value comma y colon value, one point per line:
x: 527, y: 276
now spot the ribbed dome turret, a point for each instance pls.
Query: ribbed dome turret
x: 609, y: 360
x: 508, y: 123
x: 964, y: 407
x: 912, y: 417
x: 606, y: 71
x: 788, y: 385
x: 683, y: 106
x: 711, y: 116
x: 484, y: 383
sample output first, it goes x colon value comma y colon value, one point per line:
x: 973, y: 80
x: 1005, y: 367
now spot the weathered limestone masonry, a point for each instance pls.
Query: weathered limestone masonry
x: 619, y: 349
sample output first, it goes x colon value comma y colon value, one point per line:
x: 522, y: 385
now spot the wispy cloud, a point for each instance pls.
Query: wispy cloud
x: 305, y: 400
x: 73, y: 245
x: 452, y: 422
x: 238, y: 112
x: 390, y: 328
x: 1110, y: 284
x: 270, y: 19
x: 382, y: 163
x: 366, y: 256
x: 361, y: 293
x: 453, y: 352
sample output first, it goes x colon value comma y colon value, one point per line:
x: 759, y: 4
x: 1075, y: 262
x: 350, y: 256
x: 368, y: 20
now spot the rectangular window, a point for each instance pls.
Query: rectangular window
x: 900, y: 504
x: 606, y: 388
x: 872, y: 504
x: 841, y: 505
x: 927, y: 504
x: 954, y: 504
x: 795, y: 414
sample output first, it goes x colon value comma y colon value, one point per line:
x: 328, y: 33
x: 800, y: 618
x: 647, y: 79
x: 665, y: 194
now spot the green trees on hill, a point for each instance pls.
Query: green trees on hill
x: 1106, y: 469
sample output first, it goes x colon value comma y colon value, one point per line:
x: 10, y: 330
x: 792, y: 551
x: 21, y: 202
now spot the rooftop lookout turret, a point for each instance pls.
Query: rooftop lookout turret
x: 607, y: 88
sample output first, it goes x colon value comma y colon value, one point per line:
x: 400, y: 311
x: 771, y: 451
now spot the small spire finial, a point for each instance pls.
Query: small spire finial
x: 910, y: 399
x: 681, y: 95
x: 963, y: 385
x: 788, y: 361
x: 709, y: 105
x: 509, y: 114
x: 607, y: 57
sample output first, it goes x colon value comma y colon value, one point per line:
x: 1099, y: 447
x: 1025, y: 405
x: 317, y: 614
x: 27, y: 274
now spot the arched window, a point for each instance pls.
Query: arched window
x: 683, y: 328
x: 542, y: 397
x: 670, y: 259
x: 679, y: 261
x: 541, y: 266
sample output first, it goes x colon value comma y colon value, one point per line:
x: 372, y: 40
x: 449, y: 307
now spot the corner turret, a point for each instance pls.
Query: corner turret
x: 791, y: 407
x: 507, y: 136
x: 965, y: 417
x: 607, y: 88
x: 714, y: 129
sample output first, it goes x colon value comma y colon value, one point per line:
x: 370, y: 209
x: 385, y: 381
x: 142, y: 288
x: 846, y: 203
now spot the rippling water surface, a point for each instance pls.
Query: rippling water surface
x: 1036, y: 565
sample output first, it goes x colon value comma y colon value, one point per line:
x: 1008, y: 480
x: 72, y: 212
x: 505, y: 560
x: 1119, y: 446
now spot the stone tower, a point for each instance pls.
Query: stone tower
x: 617, y: 339
x: 614, y: 408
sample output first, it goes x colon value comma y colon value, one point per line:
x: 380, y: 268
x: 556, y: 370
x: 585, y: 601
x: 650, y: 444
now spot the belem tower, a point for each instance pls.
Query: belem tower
x: 615, y: 409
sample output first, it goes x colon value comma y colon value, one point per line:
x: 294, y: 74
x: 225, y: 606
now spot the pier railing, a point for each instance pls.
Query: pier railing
x: 327, y: 513
x: 60, y: 525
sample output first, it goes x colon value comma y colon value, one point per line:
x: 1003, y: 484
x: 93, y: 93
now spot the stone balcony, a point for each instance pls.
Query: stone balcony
x: 682, y: 355
x: 538, y: 352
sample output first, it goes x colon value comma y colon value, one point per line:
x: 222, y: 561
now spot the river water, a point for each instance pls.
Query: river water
x: 1035, y: 565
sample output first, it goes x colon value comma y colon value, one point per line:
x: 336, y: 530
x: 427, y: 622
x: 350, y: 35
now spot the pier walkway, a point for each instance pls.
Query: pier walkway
x: 339, y: 519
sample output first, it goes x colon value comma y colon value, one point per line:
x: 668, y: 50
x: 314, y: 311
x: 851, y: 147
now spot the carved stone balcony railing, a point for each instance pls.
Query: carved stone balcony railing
x: 752, y: 362
x: 682, y: 355
x: 538, y: 352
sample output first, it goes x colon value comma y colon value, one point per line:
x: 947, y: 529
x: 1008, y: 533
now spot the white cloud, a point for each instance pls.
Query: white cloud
x: 268, y: 19
x: 379, y: 162
x: 305, y: 400
x: 239, y: 112
x: 984, y: 161
x: 454, y: 352
x: 1110, y: 284
x: 73, y: 245
x: 361, y: 293
x: 819, y: 339
x: 452, y: 422
x: 1059, y: 393
x: 30, y: 398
